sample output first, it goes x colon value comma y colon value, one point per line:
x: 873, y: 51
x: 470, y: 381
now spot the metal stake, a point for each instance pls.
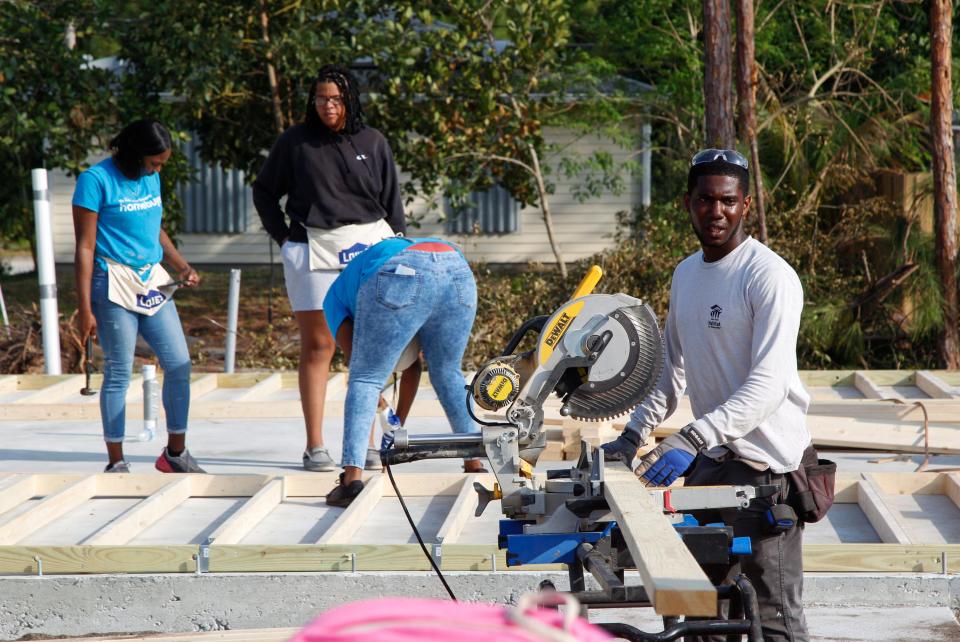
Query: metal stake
x: 39, y: 562
x: 353, y: 562
x: 233, y: 309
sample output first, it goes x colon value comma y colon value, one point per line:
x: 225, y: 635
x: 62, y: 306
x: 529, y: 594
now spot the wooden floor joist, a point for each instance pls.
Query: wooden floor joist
x: 152, y: 523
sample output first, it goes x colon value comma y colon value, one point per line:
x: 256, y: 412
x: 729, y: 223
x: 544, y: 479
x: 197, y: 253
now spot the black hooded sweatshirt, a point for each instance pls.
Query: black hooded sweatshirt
x: 329, y: 180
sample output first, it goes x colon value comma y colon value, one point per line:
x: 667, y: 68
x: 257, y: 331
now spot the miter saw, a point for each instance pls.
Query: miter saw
x: 601, y: 354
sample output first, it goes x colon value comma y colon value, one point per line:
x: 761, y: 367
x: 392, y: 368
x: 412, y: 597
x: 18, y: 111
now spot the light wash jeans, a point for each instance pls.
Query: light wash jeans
x: 117, y: 330
x: 438, y: 303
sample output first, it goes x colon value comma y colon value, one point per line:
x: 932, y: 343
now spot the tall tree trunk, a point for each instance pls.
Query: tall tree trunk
x: 543, y: 197
x: 271, y: 70
x: 944, y: 175
x: 747, y: 95
x: 717, y: 74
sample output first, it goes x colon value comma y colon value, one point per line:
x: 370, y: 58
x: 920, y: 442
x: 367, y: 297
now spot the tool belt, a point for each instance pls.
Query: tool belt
x: 334, y: 249
x: 126, y: 289
x: 812, y: 486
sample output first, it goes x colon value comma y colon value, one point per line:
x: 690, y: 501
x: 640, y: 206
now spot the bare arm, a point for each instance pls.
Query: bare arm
x: 85, y: 231
x: 172, y: 256
x: 409, y: 384
x: 409, y: 380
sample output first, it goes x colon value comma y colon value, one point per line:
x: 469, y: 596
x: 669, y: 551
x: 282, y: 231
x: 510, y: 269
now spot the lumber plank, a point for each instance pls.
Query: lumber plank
x: 951, y: 487
x: 880, y: 558
x: 934, y: 386
x: 908, y: 483
x: 97, y: 559
x: 261, y: 389
x: 15, y: 490
x: 411, y: 484
x: 674, y: 581
x: 56, y: 390
x: 353, y: 515
x: 203, y: 385
x: 9, y: 383
x: 242, y: 521
x: 880, y: 515
x: 128, y: 525
x: 463, y: 508
x: 870, y: 390
x: 369, y: 557
x: 846, y: 558
x: 47, y: 510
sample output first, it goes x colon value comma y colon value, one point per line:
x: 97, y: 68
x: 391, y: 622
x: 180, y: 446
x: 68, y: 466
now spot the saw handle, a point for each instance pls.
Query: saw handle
x: 590, y: 280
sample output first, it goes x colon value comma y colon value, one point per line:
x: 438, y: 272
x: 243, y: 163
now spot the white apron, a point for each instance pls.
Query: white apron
x: 334, y: 249
x: 125, y: 288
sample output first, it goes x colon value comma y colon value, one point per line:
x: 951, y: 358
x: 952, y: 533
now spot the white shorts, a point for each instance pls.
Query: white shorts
x: 306, y: 289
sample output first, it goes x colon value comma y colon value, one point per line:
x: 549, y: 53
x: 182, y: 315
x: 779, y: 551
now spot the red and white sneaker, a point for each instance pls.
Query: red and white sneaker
x: 182, y: 463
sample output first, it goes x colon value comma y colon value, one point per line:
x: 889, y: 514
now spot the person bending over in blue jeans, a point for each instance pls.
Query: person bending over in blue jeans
x: 395, y: 290
x: 122, y: 290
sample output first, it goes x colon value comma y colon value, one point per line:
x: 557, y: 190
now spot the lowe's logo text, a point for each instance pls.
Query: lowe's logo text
x: 150, y: 300
x: 348, y: 254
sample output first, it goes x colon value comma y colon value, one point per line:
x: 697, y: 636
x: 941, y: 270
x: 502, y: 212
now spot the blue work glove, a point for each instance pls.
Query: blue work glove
x: 671, y: 458
x: 624, y: 448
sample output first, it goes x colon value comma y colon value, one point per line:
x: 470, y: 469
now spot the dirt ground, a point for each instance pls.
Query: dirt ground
x: 267, y: 336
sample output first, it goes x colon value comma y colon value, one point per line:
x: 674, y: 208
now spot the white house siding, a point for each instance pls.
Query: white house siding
x: 582, y: 229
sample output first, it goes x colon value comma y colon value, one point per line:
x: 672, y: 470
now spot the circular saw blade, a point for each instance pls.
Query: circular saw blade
x: 636, y: 376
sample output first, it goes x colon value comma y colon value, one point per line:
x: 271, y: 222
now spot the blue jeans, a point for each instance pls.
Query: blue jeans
x: 117, y: 329
x: 438, y: 303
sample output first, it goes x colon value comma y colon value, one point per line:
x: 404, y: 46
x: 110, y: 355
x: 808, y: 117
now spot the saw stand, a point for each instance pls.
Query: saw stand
x: 590, y: 541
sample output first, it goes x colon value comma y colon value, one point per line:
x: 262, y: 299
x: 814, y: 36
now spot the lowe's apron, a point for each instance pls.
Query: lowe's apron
x: 334, y: 249
x: 125, y: 288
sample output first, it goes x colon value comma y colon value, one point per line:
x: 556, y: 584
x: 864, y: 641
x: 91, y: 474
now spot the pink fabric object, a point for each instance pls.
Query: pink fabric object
x: 409, y: 620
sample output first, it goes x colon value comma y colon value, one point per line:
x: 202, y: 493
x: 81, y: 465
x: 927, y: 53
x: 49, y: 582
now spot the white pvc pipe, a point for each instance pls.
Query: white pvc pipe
x: 233, y: 309
x: 646, y: 185
x: 3, y: 310
x: 46, y: 273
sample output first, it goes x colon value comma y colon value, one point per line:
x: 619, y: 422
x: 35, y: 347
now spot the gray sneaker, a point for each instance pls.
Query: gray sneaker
x: 182, y: 463
x: 372, y: 461
x: 117, y: 467
x: 318, y: 460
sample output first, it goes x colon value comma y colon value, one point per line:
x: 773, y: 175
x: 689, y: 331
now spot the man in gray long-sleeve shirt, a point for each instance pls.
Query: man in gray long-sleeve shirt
x: 731, y: 337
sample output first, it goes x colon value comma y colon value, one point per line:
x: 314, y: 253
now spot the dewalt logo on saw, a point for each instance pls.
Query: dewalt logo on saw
x: 552, y: 337
x: 557, y: 330
x: 500, y: 388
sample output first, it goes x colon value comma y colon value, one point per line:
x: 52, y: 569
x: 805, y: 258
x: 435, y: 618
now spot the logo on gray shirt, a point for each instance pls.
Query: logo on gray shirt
x: 715, y: 311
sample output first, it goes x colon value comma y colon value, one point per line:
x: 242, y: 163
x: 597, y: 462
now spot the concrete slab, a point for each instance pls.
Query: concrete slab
x: 274, y: 446
x: 83, y: 605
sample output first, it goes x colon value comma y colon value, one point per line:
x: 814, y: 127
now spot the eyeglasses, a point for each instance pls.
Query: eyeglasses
x: 726, y: 155
x: 320, y: 101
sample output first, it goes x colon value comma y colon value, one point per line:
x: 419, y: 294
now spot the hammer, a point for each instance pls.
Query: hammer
x: 86, y: 391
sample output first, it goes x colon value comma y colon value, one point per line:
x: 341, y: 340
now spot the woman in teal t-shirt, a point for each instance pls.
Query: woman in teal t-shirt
x: 123, y: 291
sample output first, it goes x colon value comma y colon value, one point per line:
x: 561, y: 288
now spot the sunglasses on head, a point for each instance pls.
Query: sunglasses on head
x: 726, y: 155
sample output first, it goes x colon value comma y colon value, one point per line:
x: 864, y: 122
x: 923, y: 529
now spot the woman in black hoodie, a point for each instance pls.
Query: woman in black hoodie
x: 342, y: 192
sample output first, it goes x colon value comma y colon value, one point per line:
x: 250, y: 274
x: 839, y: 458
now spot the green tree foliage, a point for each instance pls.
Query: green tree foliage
x: 467, y: 88
x: 842, y: 97
x: 209, y: 58
x: 53, y: 106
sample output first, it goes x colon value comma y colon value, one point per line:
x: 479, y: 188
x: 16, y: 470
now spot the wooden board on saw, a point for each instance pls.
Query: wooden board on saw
x: 153, y: 523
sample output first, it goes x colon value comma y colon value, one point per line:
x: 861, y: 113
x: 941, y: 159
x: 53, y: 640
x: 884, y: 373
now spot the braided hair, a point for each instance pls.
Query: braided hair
x: 347, y: 84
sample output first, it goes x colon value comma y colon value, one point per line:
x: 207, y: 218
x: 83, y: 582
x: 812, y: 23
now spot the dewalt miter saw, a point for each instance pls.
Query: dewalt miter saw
x: 600, y: 353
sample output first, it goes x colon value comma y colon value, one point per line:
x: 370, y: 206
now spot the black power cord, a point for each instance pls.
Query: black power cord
x: 403, y: 505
